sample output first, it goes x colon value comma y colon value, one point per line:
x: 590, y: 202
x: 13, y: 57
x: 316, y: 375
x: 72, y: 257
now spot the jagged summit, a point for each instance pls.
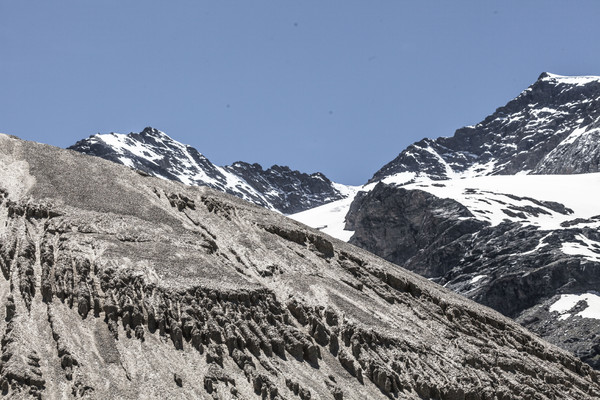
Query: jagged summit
x: 154, y: 152
x: 573, y: 80
x: 154, y: 134
x: 150, y: 131
x: 540, y: 131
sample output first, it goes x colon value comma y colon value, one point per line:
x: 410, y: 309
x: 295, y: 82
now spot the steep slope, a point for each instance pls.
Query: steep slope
x: 118, y: 285
x: 493, y: 240
x: 550, y: 128
x: 152, y: 151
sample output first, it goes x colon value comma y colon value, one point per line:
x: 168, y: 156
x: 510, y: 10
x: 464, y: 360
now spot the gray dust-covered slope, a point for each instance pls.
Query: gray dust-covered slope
x: 118, y: 285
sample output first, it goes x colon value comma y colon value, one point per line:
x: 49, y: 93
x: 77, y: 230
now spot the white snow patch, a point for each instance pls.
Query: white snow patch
x: 577, y: 132
x: 400, y: 178
x: 540, y: 245
x: 578, y: 249
x: 126, y: 161
x: 486, y: 196
x: 476, y: 170
x: 572, y: 80
x: 345, y: 190
x: 477, y: 278
x: 123, y: 144
x: 568, y: 301
x: 330, y: 218
x: 447, y: 167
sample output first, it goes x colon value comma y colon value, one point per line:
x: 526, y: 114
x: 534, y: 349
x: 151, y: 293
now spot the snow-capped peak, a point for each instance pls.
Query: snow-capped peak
x: 150, y: 131
x: 154, y: 152
x: 570, y: 80
x: 517, y: 138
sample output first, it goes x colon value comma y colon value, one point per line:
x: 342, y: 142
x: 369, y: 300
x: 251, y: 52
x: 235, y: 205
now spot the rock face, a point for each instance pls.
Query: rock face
x: 396, y: 224
x: 286, y: 190
x: 118, y: 285
x: 153, y: 152
x: 519, y: 269
x: 550, y: 128
x: 521, y: 255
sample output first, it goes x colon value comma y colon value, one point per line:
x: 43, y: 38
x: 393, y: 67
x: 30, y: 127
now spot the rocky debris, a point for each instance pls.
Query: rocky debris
x: 167, y: 318
x: 322, y: 246
x: 8, y: 247
x: 181, y: 202
x: 277, y: 188
x: 543, y: 205
x: 25, y: 260
x: 298, y: 390
x: 31, y: 210
x: 488, y: 264
x: 580, y: 221
x: 20, y: 364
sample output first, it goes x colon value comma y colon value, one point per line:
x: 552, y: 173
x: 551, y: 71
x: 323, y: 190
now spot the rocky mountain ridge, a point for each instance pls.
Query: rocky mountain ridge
x: 454, y: 234
x: 153, y: 152
x: 550, y: 128
x: 119, y: 285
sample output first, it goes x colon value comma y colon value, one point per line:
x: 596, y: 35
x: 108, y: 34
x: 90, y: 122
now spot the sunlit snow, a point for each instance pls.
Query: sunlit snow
x: 585, y: 249
x: 488, y: 197
x: 568, y: 301
x: 572, y: 80
x: 477, y: 278
x: 330, y: 218
x: 189, y: 167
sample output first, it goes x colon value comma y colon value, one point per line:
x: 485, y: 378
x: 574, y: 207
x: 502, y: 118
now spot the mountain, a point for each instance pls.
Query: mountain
x: 504, y: 212
x: 492, y: 240
x: 550, y: 128
x: 120, y: 285
x: 153, y: 152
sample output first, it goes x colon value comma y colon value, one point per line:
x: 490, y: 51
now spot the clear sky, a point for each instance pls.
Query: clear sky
x: 339, y: 87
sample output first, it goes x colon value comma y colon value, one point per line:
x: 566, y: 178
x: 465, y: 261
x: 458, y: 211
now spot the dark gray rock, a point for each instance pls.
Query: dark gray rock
x: 396, y: 224
x: 289, y: 191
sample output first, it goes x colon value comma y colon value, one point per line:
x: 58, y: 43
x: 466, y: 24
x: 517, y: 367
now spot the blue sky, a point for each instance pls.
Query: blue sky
x: 339, y: 87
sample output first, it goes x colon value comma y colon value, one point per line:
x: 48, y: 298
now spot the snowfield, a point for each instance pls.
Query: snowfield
x: 520, y: 198
x: 495, y: 198
x: 568, y: 301
x: 330, y: 218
